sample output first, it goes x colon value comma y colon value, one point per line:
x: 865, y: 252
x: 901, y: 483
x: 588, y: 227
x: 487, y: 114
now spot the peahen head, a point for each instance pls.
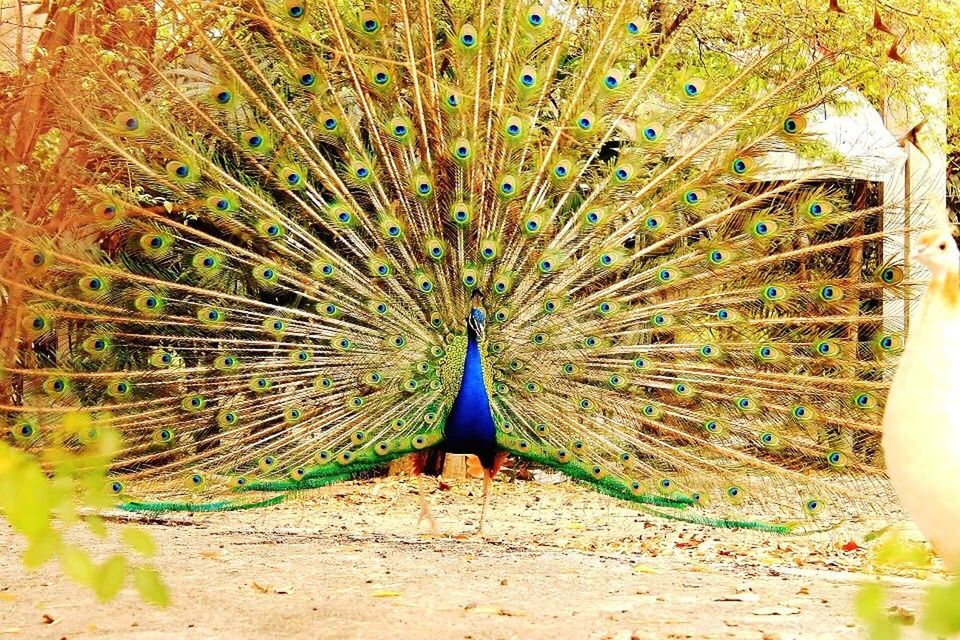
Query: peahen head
x: 937, y: 250
x: 477, y: 319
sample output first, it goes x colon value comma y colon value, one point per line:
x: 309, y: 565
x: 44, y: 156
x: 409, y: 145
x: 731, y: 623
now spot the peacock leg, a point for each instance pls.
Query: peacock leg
x: 487, y: 485
x: 425, y: 508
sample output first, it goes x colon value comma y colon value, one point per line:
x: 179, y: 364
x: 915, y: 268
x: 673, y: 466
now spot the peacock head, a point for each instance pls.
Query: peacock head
x: 937, y: 250
x: 477, y: 320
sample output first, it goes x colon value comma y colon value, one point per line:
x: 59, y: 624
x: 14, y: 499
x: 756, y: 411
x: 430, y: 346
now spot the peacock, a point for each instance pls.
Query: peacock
x: 319, y: 236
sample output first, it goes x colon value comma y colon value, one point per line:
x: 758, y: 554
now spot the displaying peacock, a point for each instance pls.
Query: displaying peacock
x: 321, y: 236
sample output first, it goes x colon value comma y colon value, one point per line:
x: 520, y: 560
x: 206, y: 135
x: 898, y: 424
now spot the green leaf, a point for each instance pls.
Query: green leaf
x: 139, y: 540
x: 96, y: 526
x: 895, y: 550
x: 870, y: 606
x: 150, y: 586
x: 41, y: 549
x: 941, y: 615
x: 78, y: 565
x: 110, y: 578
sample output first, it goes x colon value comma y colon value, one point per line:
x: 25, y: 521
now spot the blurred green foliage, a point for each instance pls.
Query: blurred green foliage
x: 940, y: 616
x: 52, y: 497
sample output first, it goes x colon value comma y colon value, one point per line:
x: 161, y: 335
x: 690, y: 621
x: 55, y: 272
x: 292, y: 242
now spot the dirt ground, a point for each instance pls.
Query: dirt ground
x: 558, y: 562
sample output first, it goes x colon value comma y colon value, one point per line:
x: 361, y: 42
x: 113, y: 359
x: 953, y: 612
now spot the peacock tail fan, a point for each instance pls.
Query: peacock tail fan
x: 268, y: 285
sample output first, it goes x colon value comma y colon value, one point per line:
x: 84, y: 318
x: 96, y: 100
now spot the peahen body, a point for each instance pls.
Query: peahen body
x: 275, y: 282
x: 921, y: 426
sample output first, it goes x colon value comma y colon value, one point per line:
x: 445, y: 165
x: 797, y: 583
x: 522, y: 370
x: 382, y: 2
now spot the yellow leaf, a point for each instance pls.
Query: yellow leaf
x: 387, y: 594
x: 139, y: 540
x: 642, y: 568
x: 97, y: 527
x: 41, y: 549
x: 150, y: 586
x: 110, y: 578
x: 77, y: 564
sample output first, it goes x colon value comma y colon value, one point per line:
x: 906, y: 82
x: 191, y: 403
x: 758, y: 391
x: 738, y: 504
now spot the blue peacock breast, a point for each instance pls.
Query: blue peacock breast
x: 470, y: 427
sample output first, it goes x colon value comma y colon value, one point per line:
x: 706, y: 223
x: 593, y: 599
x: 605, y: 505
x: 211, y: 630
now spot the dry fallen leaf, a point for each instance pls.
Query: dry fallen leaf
x: 387, y: 594
x: 901, y: 615
x: 743, y: 597
x: 262, y: 587
x: 776, y: 611
x: 495, y: 610
x: 642, y: 568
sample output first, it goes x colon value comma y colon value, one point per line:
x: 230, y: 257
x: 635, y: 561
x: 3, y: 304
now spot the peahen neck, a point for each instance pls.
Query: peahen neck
x: 470, y: 427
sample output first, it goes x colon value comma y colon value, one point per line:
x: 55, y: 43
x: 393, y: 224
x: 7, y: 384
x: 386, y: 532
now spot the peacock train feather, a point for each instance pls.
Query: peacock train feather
x: 326, y: 235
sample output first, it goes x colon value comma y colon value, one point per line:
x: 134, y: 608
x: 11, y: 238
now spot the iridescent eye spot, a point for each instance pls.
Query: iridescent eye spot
x: 330, y: 123
x: 132, y: 124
